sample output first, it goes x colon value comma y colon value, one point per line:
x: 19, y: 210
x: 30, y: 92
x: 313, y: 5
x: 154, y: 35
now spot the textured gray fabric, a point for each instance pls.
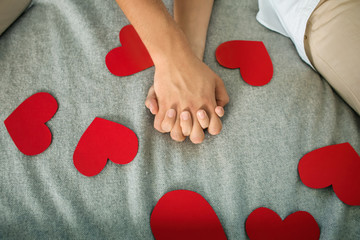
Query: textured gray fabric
x: 60, y: 46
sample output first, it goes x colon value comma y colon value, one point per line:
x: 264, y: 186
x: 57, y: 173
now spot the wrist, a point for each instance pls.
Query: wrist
x: 174, y: 46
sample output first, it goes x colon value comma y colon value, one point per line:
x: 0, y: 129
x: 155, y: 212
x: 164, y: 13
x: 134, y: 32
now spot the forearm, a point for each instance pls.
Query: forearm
x: 156, y: 28
x: 193, y: 18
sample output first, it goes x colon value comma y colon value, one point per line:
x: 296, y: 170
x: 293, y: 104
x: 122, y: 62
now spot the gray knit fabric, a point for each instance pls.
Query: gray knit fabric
x: 60, y: 47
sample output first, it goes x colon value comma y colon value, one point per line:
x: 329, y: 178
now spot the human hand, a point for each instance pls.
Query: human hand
x: 186, y: 98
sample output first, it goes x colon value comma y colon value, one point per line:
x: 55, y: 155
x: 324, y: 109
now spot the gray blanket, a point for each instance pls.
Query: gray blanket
x: 60, y: 47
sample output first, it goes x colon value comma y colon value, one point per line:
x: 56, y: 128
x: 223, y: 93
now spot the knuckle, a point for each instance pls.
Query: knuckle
x: 177, y: 136
x: 158, y: 127
x: 197, y: 139
x: 214, y: 130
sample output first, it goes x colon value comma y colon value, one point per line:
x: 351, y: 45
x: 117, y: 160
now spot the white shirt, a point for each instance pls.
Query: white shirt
x: 288, y: 17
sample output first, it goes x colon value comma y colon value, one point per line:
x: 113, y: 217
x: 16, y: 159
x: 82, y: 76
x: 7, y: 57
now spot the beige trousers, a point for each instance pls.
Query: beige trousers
x: 332, y: 43
x: 10, y: 10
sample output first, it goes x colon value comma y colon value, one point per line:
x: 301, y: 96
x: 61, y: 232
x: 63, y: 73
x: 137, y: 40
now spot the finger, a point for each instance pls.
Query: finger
x: 159, y: 117
x: 185, y: 123
x: 203, y: 118
x: 151, y: 104
x: 197, y: 133
x: 215, y: 125
x: 222, y: 98
x: 176, y: 132
x: 169, y: 120
x: 151, y: 101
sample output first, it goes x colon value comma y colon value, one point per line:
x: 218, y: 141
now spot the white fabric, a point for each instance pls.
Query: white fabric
x: 288, y: 17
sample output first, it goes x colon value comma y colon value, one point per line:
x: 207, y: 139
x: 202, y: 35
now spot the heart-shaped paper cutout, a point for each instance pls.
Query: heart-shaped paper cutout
x: 184, y: 214
x: 101, y: 141
x: 26, y: 124
x: 250, y: 56
x: 131, y: 57
x: 264, y: 224
x: 337, y: 165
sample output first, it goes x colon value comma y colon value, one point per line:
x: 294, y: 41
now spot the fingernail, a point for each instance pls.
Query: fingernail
x: 171, y: 113
x: 201, y: 114
x: 151, y: 109
x: 220, y: 111
x: 185, y: 116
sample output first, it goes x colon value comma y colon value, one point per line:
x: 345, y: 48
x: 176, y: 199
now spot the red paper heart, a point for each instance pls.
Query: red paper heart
x: 131, y: 57
x: 264, y: 223
x: 250, y: 56
x: 184, y: 214
x: 336, y: 165
x: 26, y: 124
x: 101, y: 141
